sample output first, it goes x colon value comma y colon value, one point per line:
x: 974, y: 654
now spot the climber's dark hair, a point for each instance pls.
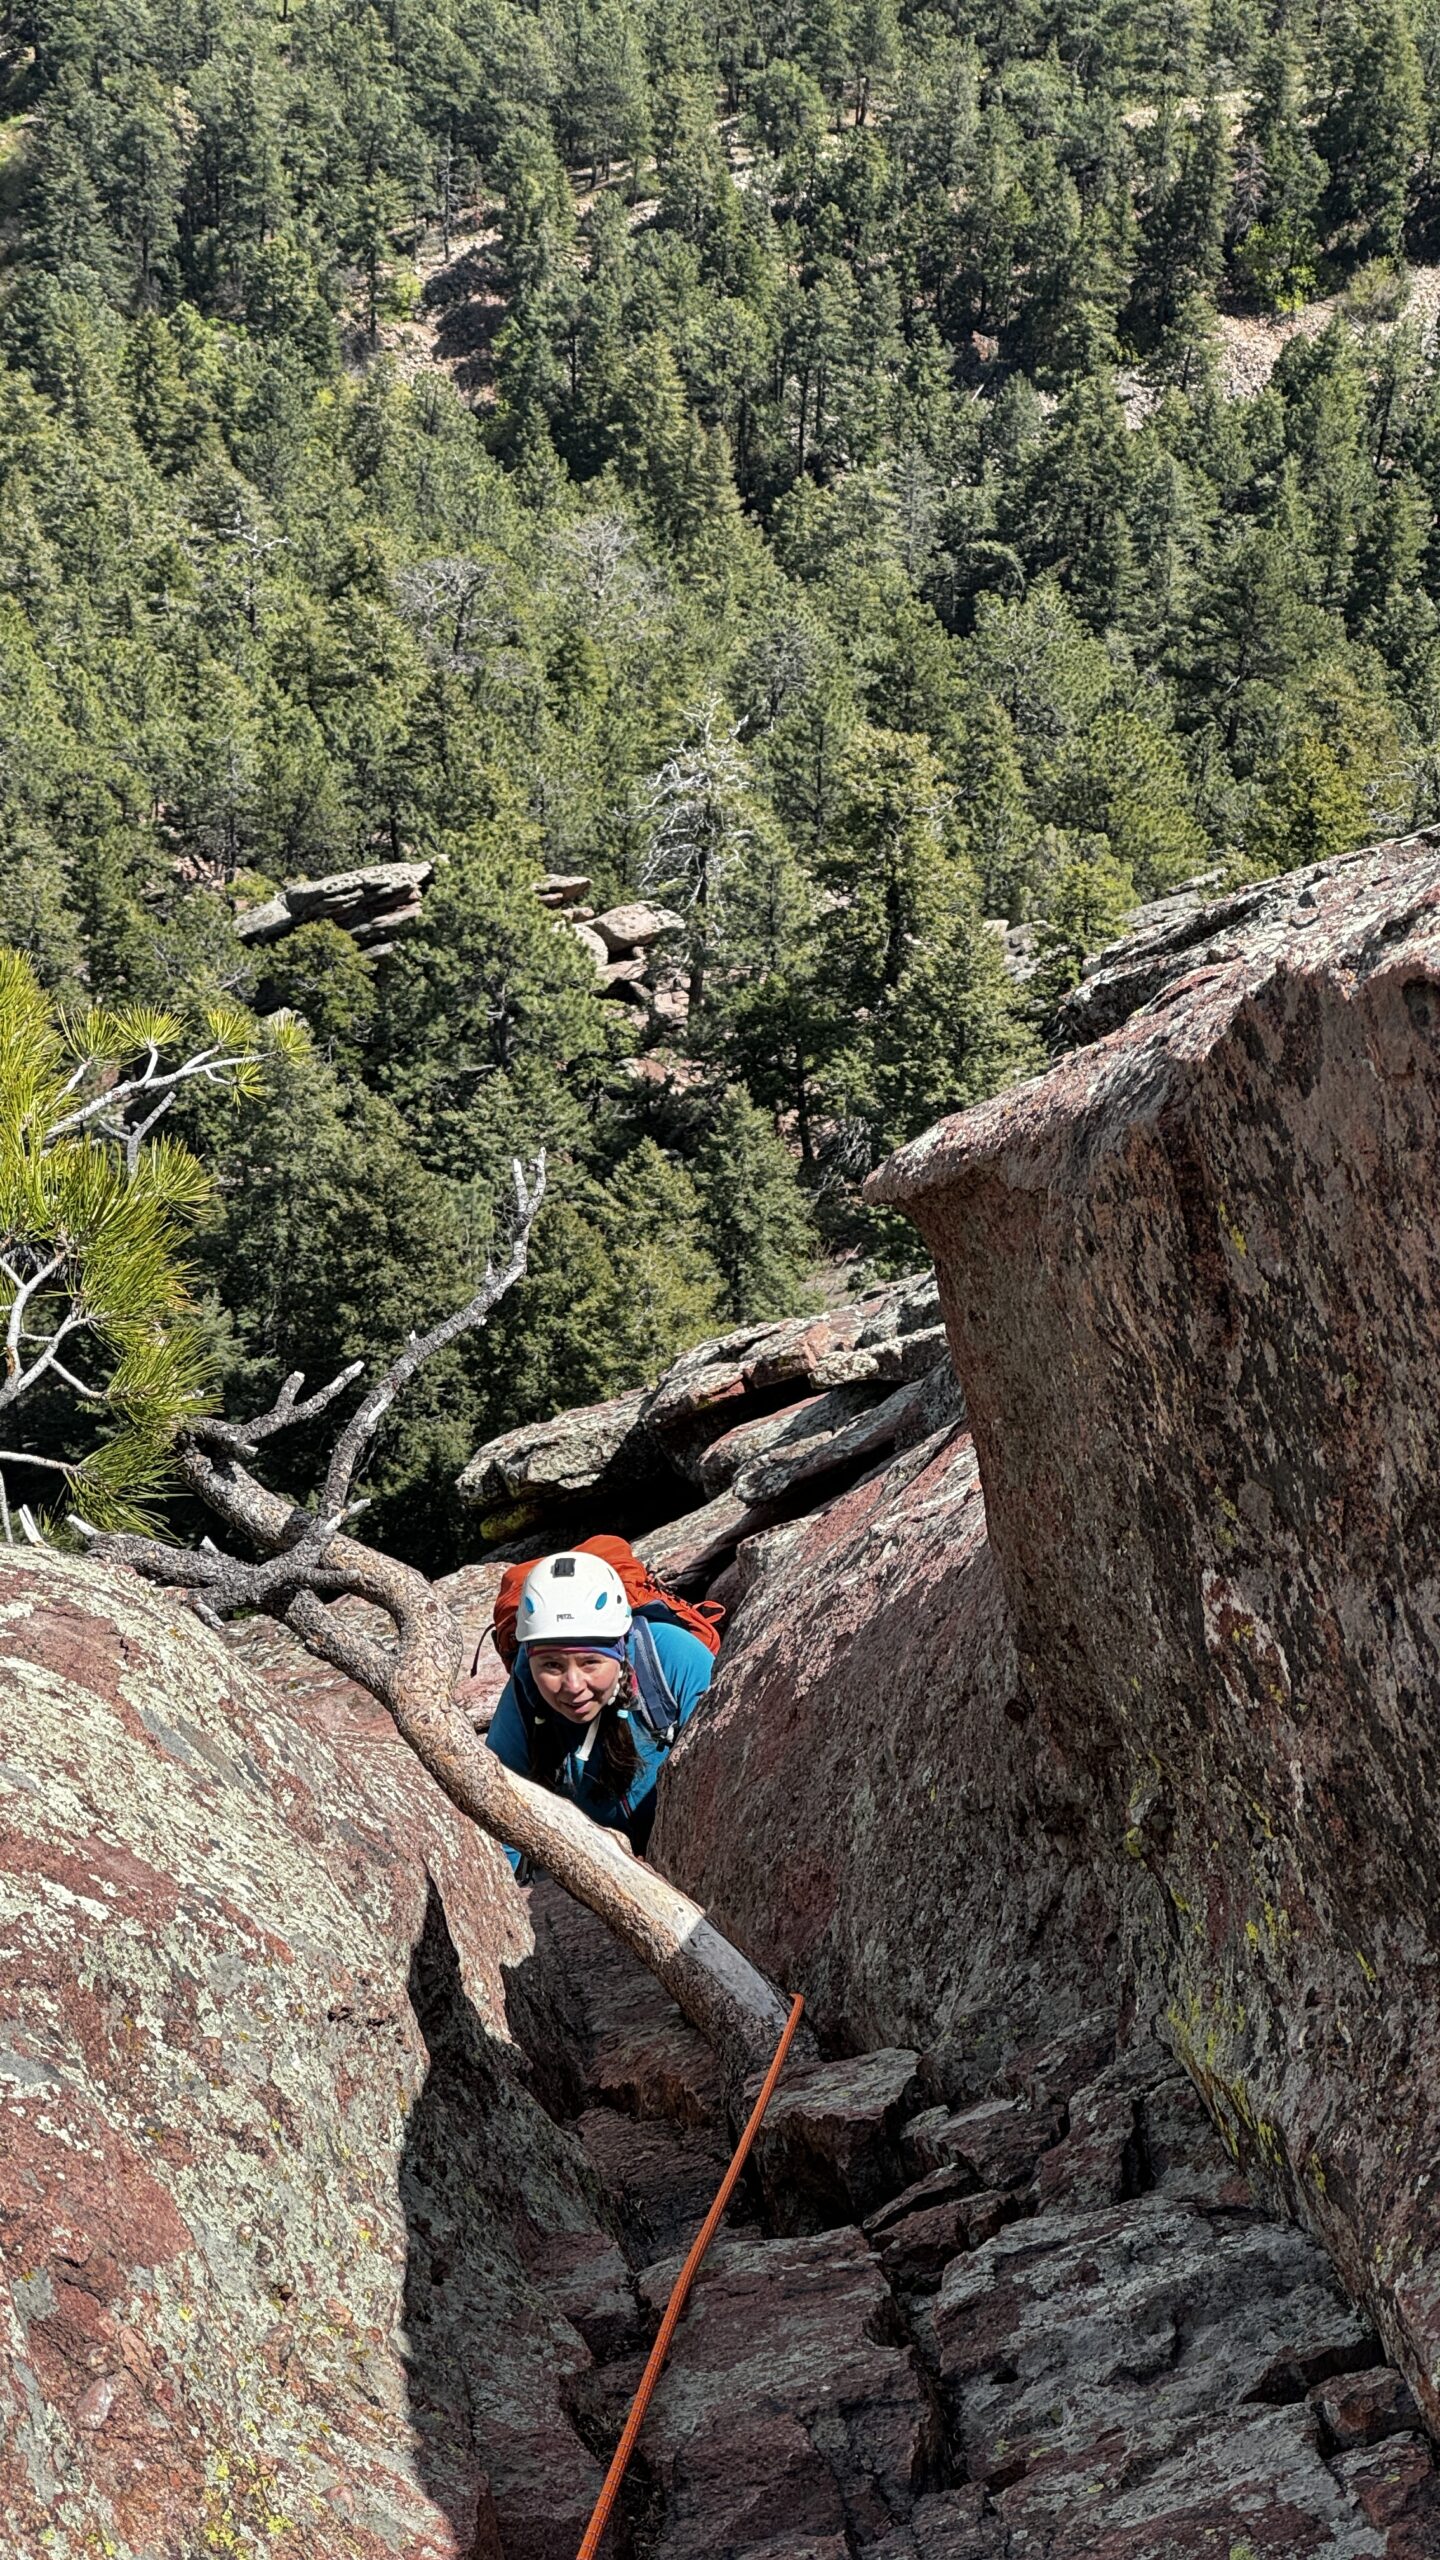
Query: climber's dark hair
x: 552, y: 1740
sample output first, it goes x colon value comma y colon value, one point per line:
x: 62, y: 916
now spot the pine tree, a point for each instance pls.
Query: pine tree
x: 1279, y: 249
x: 1373, y: 123
x: 106, y: 1350
x: 757, y: 1225
x: 1306, y: 810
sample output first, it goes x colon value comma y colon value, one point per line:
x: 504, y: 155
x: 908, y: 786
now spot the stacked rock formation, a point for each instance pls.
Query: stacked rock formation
x: 742, y: 1432
x: 371, y: 904
x: 631, y: 946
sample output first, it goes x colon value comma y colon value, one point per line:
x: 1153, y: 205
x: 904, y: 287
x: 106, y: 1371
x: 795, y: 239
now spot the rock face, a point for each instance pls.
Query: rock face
x: 272, y: 2184
x: 1148, y: 2373
x: 370, y: 904
x: 1223, y: 1584
x: 779, y: 1415
x: 1159, y: 1737
x: 867, y: 1770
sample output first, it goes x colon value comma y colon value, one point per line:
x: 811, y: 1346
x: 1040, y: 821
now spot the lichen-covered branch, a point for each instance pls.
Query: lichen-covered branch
x: 307, y: 1563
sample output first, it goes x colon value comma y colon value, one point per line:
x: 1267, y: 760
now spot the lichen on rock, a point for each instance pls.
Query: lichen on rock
x: 271, y: 2170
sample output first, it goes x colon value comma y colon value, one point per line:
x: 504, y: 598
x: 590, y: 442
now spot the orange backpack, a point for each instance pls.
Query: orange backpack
x: 647, y: 1597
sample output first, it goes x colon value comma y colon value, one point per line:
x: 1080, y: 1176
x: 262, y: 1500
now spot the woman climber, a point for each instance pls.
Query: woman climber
x: 598, y: 1691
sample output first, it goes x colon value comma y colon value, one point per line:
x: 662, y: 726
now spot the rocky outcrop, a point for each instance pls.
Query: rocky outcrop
x: 1227, y: 1593
x: 370, y: 904
x: 631, y: 946
x: 771, y: 1417
x: 1107, y: 2352
x: 1152, y: 1731
x: 344, y: 2184
x: 290, y: 2248
x: 1190, y: 930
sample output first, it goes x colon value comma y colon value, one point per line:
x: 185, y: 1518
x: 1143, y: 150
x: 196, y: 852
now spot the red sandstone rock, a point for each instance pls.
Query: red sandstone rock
x: 829, y: 2149
x: 785, y: 2414
x: 804, y: 1457
x: 686, y: 1552
x: 718, y: 1465
x: 1191, y: 1290
x: 885, y: 1339
x: 998, y: 2142
x: 542, y: 1464
x: 868, y: 1801
x: 268, y: 2168
x: 1398, y: 2492
x: 959, y: 2524
x: 1098, y: 2160
x: 1362, y: 2408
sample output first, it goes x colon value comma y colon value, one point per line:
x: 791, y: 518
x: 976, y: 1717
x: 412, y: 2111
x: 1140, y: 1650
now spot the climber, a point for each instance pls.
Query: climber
x: 597, y: 1695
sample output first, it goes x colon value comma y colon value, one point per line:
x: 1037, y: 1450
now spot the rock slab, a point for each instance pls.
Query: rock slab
x: 271, y: 2180
x: 1191, y: 1287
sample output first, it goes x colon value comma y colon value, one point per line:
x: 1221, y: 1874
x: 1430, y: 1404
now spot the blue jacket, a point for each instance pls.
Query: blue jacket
x: 688, y: 1666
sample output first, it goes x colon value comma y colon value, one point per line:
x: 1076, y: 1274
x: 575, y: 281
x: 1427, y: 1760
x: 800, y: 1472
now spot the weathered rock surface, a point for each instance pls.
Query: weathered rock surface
x: 1148, y: 2380
x: 370, y: 903
x: 1211, y: 1236
x: 1149, y: 1754
x: 592, y: 1449
x: 626, y: 931
x: 564, y: 889
x: 725, y: 1421
x: 871, y: 1797
x: 267, y: 2108
x: 271, y: 2183
x: 1190, y: 930
x: 1157, y: 1741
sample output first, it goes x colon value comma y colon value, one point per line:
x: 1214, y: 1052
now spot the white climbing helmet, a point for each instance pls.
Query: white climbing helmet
x: 567, y: 1598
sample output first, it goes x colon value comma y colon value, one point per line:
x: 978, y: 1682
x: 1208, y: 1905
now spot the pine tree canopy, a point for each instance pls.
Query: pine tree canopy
x: 857, y: 479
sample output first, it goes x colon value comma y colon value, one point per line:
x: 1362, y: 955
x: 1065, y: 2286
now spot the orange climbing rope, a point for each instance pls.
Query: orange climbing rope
x: 604, y: 2504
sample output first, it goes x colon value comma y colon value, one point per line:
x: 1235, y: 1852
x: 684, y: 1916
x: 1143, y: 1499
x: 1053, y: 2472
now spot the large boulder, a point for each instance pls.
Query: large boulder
x: 541, y: 1467
x: 370, y: 903
x: 280, y: 2223
x: 1190, y: 1283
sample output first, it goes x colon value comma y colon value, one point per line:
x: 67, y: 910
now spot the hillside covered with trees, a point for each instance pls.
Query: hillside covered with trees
x: 832, y: 525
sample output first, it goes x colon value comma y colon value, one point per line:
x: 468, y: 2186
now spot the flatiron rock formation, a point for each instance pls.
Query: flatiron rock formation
x: 1163, y: 1721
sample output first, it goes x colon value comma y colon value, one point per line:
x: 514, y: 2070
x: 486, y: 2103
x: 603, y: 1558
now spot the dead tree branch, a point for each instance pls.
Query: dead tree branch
x: 307, y: 1563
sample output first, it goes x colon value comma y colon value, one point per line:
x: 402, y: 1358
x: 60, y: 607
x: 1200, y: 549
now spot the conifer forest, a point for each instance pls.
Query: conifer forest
x: 802, y: 464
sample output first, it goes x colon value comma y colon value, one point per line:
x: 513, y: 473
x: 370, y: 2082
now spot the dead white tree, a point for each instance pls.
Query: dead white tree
x: 308, y: 1562
x: 698, y: 821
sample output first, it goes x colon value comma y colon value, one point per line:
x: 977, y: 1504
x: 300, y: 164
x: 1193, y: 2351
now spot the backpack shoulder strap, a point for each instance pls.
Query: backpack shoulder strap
x: 659, y: 1706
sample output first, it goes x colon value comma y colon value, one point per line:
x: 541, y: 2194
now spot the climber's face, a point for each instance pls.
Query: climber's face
x: 576, y: 1684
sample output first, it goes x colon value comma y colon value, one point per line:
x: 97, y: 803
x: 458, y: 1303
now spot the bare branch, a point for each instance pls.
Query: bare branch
x: 717, y: 1987
x: 207, y: 1063
x: 134, y: 1139
x: 15, y: 1377
x: 212, y: 1432
x: 307, y: 1561
x: 93, y: 1395
x: 363, y: 1424
x: 22, y: 1380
